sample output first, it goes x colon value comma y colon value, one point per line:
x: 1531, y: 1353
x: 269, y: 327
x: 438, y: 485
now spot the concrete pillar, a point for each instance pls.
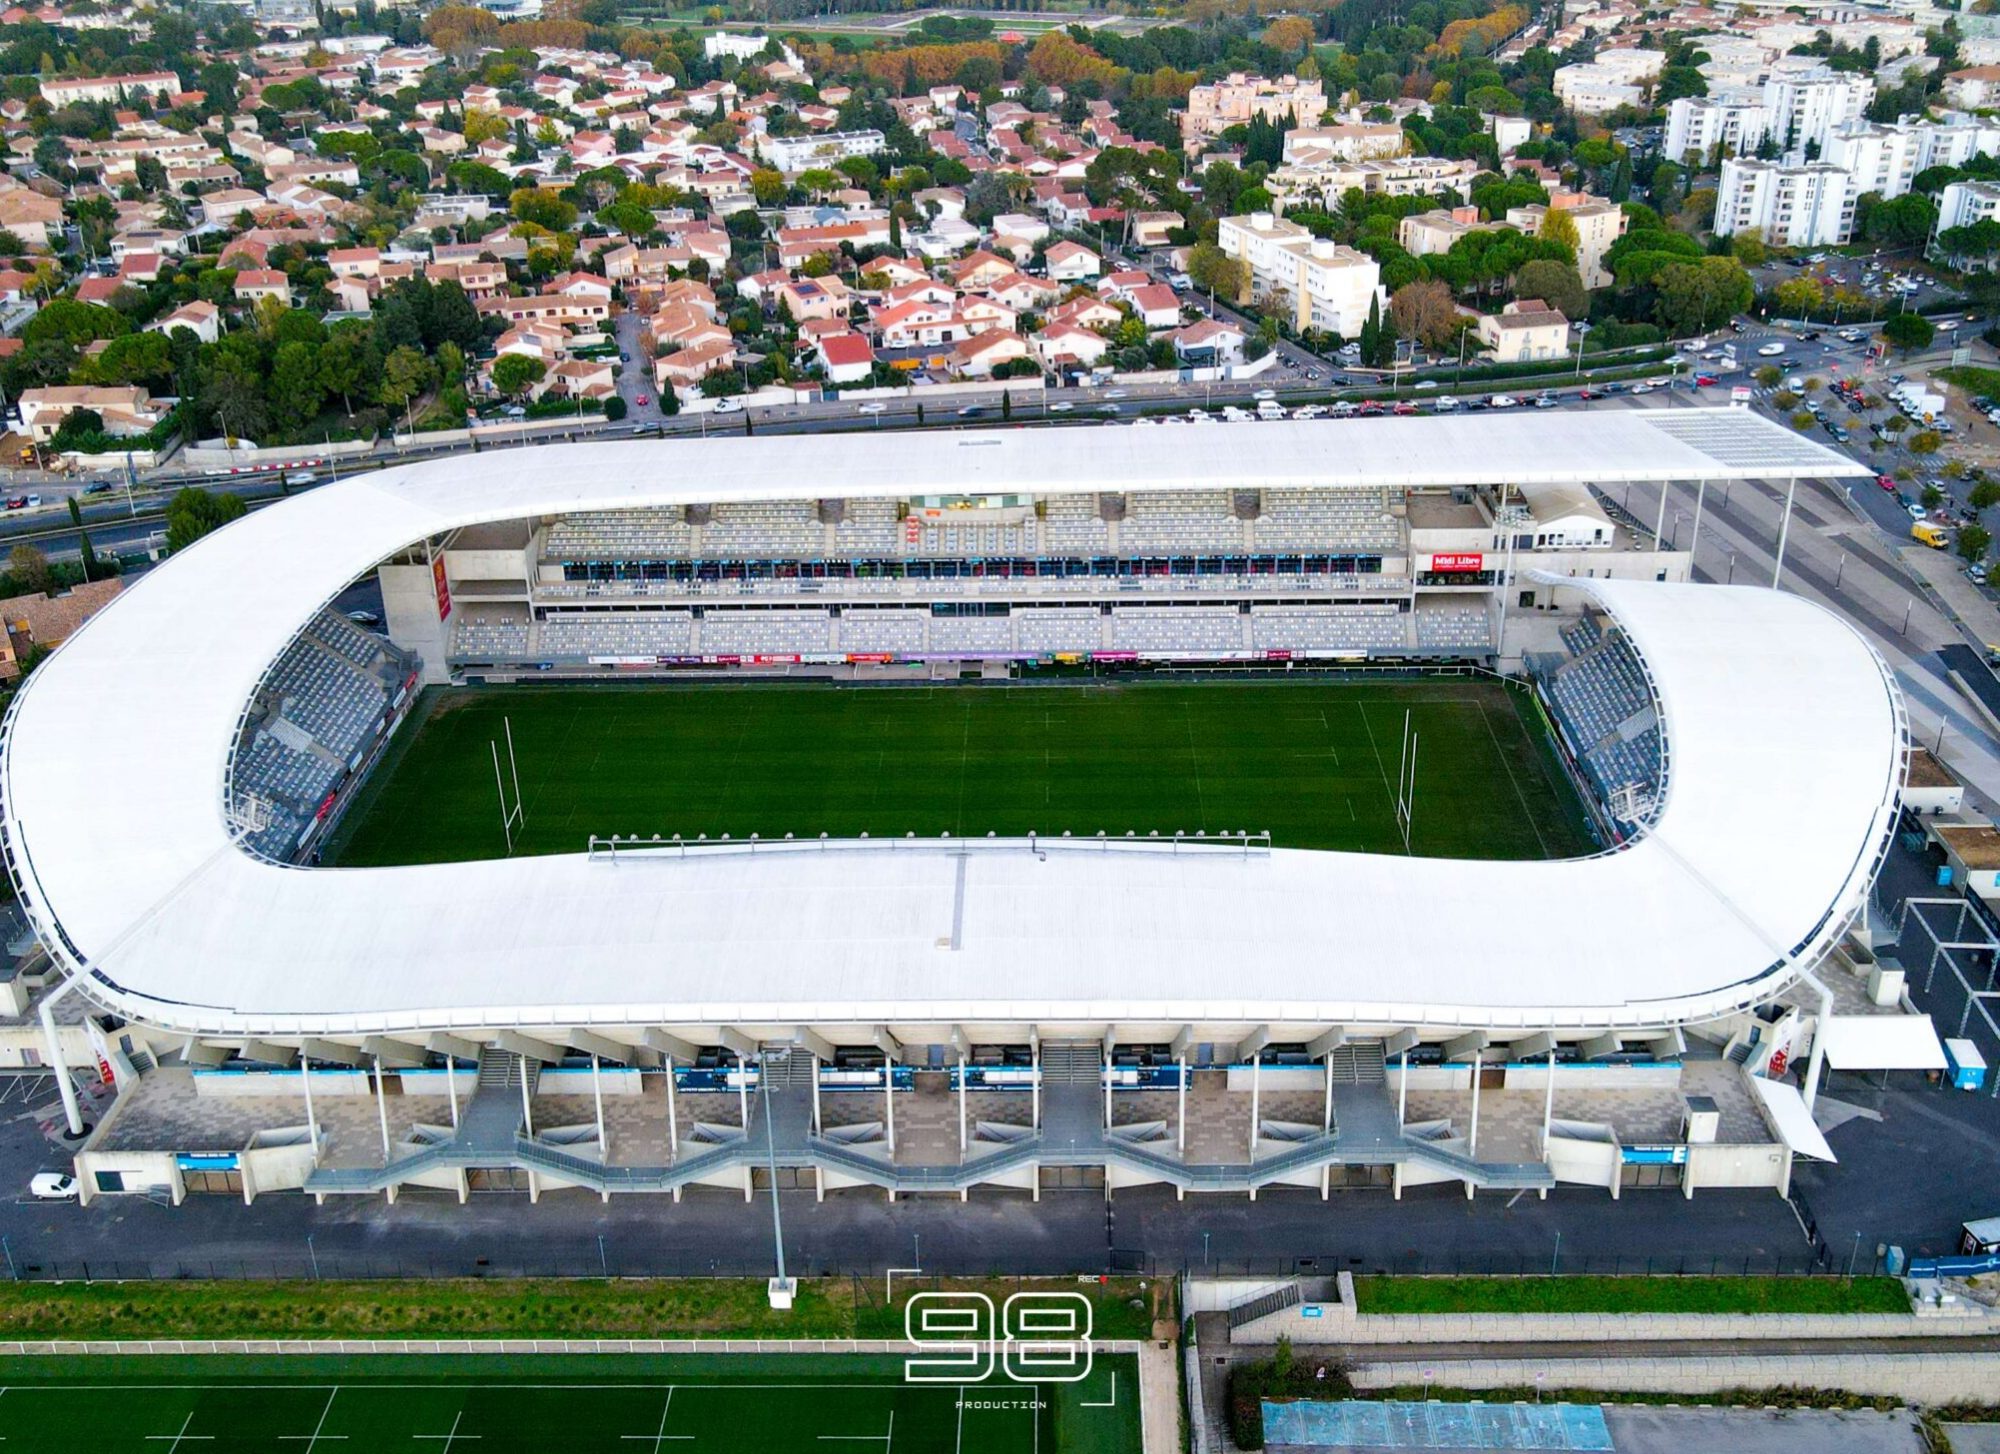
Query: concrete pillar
x: 1107, y: 1093
x: 1549, y: 1103
x: 1403, y: 1093
x: 818, y: 1130
x: 382, y: 1109
x: 1036, y: 1091
x: 673, y: 1123
x: 1256, y: 1099
x: 1474, y: 1145
x: 451, y: 1086
x: 1180, y: 1115
x: 961, y: 1106
x: 889, y: 1101
x: 1326, y: 1120
x: 527, y: 1108
x: 597, y: 1095
x: 52, y: 1049
x: 312, y: 1121
x: 743, y: 1093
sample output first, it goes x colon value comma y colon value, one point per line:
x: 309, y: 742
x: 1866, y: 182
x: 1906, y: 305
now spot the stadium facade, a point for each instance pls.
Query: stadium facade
x: 1029, y: 1007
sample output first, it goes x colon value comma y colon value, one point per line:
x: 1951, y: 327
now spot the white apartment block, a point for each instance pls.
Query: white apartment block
x: 1787, y: 204
x: 1598, y: 224
x: 1881, y: 159
x: 1612, y: 79
x: 794, y: 154
x: 1326, y: 285
x: 1236, y: 98
x: 743, y: 47
x: 1715, y: 126
x: 1350, y: 142
x: 1322, y: 184
x: 1965, y: 203
x: 69, y: 91
x: 1803, y: 105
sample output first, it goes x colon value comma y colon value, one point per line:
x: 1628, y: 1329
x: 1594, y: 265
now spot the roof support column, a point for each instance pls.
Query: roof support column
x: 961, y: 1104
x: 312, y: 1121
x: 1818, y: 1061
x: 1784, y: 531
x: 382, y: 1109
x: 1035, y: 1085
x: 451, y: 1087
x: 1256, y: 1096
x: 52, y: 1047
x: 597, y: 1095
x: 1694, y: 539
x: 1474, y: 1147
x: 1549, y: 1103
x: 1180, y: 1113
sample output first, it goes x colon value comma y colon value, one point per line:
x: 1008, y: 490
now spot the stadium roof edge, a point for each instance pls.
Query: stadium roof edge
x: 1784, y: 737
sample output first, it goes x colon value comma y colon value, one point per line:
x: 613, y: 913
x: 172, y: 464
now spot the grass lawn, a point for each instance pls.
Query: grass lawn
x: 1313, y: 761
x: 616, y: 1404
x: 834, y: 1307
x: 1630, y: 1295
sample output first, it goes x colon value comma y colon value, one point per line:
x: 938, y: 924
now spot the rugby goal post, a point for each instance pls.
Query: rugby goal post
x: 1406, y: 780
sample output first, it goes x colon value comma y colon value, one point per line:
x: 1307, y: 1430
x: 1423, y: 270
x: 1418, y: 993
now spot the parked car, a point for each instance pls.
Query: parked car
x: 1704, y: 381
x: 53, y: 1186
x: 876, y: 407
x: 1502, y: 401
x: 1770, y: 350
x: 1886, y: 483
x: 728, y: 406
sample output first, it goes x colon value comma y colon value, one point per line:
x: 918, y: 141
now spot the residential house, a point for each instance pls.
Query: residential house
x: 1525, y: 331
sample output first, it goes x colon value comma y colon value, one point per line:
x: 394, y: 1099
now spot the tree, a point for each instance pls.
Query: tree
x: 614, y: 408
x: 1973, y: 543
x: 1556, y: 284
x: 1006, y: 404
x: 1931, y: 497
x: 767, y: 186
x: 1214, y: 272
x: 1424, y: 311
x: 295, y: 389
x: 342, y: 361
x: 1908, y: 332
x: 1926, y: 441
x: 516, y: 373
x: 84, y: 546
x: 1560, y: 228
x: 30, y: 570
x: 405, y: 372
x: 194, y: 512
x: 1984, y: 495
x: 1694, y: 297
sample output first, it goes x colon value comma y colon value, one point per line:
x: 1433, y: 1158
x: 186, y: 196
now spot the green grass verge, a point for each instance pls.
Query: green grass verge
x: 502, y: 1404
x: 1311, y: 761
x: 1630, y: 1295
x: 638, y: 1308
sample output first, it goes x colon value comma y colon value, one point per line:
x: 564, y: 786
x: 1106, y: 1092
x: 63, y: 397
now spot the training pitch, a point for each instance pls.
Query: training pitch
x: 1315, y: 763
x: 498, y: 1404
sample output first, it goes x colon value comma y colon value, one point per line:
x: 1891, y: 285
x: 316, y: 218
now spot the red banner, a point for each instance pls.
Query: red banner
x: 1458, y: 562
x: 441, y: 586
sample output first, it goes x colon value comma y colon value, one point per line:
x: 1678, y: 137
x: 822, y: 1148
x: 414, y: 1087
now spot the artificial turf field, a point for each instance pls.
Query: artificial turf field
x: 1313, y: 762
x: 498, y: 1404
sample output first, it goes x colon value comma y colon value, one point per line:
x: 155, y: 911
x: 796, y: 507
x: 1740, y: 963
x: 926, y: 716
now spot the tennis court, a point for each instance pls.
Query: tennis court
x: 610, y: 1404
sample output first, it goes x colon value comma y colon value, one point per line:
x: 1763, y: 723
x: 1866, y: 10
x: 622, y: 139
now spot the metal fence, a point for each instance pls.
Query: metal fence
x: 312, y: 1265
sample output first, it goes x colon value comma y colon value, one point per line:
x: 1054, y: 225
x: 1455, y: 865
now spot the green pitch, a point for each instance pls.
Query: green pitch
x: 1314, y: 763
x: 614, y: 1404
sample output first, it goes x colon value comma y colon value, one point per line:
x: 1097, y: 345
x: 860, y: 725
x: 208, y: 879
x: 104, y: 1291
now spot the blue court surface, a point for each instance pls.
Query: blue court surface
x: 1386, y: 1424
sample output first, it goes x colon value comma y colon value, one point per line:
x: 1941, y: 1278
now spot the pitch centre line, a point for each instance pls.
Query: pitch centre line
x: 450, y: 1438
x: 312, y: 1439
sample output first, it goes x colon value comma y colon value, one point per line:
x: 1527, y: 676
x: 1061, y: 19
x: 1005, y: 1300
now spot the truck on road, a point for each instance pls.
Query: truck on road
x: 1929, y: 534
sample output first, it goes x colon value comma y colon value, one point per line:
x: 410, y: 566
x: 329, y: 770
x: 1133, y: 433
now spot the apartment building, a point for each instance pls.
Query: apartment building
x: 1803, y: 105
x: 794, y: 154
x: 1323, y: 284
x: 1322, y: 184
x: 1729, y: 124
x: 1788, y: 204
x: 1598, y: 224
x: 1233, y: 100
x: 1881, y: 159
x: 1965, y: 203
x: 1358, y: 141
x: 1612, y: 79
x: 60, y: 92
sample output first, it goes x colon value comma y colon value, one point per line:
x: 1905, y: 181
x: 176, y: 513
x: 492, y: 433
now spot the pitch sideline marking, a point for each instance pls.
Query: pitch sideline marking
x: 887, y: 1440
x: 1114, y: 1395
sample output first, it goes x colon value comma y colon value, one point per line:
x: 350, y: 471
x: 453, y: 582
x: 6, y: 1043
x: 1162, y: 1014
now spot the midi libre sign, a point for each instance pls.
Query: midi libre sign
x: 1458, y: 562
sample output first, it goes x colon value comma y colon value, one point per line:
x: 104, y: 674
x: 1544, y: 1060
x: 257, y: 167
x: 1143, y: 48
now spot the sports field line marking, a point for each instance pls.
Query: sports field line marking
x: 315, y: 1436
x: 660, y: 1435
x: 182, y: 1436
x: 449, y: 1438
x: 887, y: 1439
x: 1519, y: 796
x: 1380, y: 766
x: 1114, y: 1395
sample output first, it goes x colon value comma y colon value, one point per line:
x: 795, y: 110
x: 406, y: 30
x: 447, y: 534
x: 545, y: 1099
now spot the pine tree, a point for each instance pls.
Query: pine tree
x: 1371, y: 332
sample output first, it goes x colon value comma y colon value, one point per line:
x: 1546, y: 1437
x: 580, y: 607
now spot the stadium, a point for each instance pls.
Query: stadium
x: 1228, y: 808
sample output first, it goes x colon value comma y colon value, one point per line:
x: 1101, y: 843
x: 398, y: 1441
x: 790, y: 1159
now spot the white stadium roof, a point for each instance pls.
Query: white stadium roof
x: 1783, y: 737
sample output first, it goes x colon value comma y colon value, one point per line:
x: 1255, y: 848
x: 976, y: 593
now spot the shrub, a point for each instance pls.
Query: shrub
x: 1281, y: 1376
